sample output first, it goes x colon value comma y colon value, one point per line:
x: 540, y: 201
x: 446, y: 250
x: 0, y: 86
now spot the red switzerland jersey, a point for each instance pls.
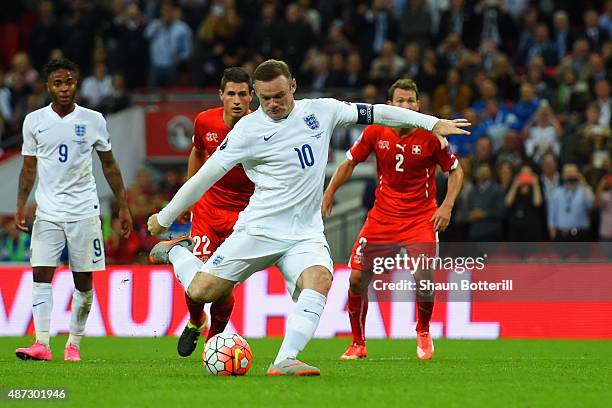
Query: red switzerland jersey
x: 406, y: 168
x: 233, y: 191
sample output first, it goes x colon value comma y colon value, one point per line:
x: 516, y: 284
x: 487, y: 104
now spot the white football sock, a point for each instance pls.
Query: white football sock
x: 301, y: 324
x: 42, y: 305
x: 81, y: 305
x: 186, y: 265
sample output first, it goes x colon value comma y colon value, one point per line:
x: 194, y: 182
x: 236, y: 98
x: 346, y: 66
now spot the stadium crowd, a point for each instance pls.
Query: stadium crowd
x: 531, y: 75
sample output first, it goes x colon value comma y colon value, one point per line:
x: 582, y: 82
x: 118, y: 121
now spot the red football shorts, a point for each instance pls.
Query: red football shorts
x: 386, y: 237
x: 209, y: 228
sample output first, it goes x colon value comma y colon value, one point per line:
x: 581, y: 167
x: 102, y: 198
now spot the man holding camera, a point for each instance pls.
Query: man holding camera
x: 569, y: 207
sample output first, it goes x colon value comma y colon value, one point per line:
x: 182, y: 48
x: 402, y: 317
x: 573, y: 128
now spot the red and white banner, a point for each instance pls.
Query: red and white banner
x: 147, y: 301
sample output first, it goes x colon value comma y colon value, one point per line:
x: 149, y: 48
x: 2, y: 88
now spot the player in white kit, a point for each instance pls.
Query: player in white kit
x: 283, y: 147
x: 58, y: 141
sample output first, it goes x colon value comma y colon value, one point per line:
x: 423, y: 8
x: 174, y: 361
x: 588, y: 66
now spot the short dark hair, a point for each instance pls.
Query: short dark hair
x: 405, y: 84
x: 237, y: 75
x: 272, y: 69
x: 57, y: 64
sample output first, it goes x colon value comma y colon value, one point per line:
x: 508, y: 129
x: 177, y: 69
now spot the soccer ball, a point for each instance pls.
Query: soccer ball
x: 227, y: 354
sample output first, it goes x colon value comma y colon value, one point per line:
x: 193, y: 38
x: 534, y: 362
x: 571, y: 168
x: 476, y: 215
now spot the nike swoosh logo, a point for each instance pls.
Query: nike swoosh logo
x: 43, y: 130
x: 269, y: 137
x: 38, y: 304
x: 96, y: 260
x: 310, y: 311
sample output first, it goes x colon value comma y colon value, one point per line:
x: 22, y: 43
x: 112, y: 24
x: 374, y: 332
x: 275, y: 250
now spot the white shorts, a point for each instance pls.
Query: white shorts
x: 84, y: 239
x: 241, y: 255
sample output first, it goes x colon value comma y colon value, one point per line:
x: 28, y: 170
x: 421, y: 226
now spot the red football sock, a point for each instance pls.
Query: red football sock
x: 424, y: 311
x: 220, y: 312
x: 196, y: 311
x: 358, y: 309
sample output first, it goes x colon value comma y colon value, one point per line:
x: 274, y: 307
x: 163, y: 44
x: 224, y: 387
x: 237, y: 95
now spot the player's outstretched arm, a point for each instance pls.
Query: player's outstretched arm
x: 26, y: 183
x: 442, y: 216
x: 341, y: 175
x: 188, y: 194
x: 115, y: 181
x: 393, y: 116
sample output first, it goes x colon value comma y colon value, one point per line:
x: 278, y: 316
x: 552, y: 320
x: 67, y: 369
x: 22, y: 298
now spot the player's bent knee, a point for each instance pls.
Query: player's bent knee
x: 317, y: 278
x: 206, y: 288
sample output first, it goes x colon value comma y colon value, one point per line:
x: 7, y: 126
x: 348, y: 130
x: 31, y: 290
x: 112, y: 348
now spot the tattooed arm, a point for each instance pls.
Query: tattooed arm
x: 26, y: 183
x: 113, y: 177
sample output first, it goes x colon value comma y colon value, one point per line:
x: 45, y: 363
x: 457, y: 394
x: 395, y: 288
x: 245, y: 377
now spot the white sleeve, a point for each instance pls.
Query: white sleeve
x: 234, y: 149
x: 29, y: 139
x: 102, y: 142
x: 191, y: 191
x: 379, y: 114
x: 393, y: 116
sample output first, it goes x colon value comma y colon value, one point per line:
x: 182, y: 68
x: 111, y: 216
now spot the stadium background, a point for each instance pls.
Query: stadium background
x: 494, y: 65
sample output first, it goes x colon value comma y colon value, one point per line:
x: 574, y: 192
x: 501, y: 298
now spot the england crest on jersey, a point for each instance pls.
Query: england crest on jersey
x: 79, y: 130
x: 312, y: 122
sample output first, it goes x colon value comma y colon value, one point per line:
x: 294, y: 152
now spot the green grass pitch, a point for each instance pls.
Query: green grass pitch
x: 131, y: 372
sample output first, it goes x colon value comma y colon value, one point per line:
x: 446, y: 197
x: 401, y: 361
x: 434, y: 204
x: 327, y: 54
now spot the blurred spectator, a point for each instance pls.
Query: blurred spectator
x: 452, y: 20
x: 490, y: 21
x: 578, y: 59
x: 45, y: 35
x: 96, y: 87
x: 452, y: 93
x: 568, y: 210
x: 128, y: 47
x: 537, y: 79
x: 170, y: 44
x: 297, y: 36
x: 315, y: 70
x: 571, y: 94
x: 483, y: 154
x: 6, y: 105
x: 387, y: 66
x: 464, y: 145
x: 528, y: 22
x: 14, y: 244
x: 597, y: 133
x: 337, y: 71
x: 603, y: 201
x: 355, y: 76
x: 496, y: 122
x: 485, y: 207
x: 79, y: 31
x: 118, y: 99
x: 486, y: 90
x: 143, y: 198
x: 605, y: 21
x: 526, y: 107
x: 549, y: 177
x: 429, y: 75
x: 412, y: 61
x: 604, y: 102
x: 418, y: 24
x: 597, y: 70
x: 542, y: 133
x: 511, y: 151
x: 524, y: 208
x: 265, y: 37
x: 374, y: 26
x: 336, y: 40
x: 451, y: 51
x: 21, y: 65
x: 541, y: 46
x: 562, y: 34
x: 592, y: 32
x: 504, y: 175
x: 504, y: 78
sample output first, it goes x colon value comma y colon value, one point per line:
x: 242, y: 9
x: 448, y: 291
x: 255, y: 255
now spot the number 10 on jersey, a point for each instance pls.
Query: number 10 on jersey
x: 305, y: 155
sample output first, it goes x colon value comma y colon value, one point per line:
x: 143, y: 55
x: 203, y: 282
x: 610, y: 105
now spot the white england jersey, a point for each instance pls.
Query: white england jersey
x: 286, y: 160
x: 63, y: 148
